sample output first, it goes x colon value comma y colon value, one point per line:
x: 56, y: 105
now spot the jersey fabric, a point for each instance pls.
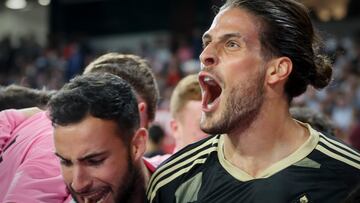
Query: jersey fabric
x: 323, y: 169
x: 29, y: 170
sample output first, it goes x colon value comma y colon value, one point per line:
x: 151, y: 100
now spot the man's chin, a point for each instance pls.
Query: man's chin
x: 78, y: 199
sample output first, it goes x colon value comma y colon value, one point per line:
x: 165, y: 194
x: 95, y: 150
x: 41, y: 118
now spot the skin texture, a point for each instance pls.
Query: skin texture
x: 96, y: 163
x: 252, y: 109
x: 185, y: 128
x: 232, y: 55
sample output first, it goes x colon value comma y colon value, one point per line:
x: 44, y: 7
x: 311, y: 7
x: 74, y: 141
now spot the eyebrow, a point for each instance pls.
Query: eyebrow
x: 90, y: 156
x: 61, y: 157
x: 207, y: 36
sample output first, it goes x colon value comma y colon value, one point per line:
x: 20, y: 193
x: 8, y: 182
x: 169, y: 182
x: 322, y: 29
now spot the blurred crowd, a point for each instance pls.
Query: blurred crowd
x: 31, y: 65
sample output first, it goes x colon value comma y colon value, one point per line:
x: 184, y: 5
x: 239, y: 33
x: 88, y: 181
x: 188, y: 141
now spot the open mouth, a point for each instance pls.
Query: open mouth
x: 211, y: 91
x: 99, y: 196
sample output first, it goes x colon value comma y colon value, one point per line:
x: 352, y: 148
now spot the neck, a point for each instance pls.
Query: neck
x: 139, y: 192
x: 139, y: 195
x: 271, y: 137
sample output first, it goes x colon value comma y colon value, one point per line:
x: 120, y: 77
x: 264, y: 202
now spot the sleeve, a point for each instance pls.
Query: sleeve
x: 38, y: 179
x: 157, y: 160
x: 9, y: 119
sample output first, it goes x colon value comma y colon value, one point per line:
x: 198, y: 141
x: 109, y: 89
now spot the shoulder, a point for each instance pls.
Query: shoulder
x: 338, y: 159
x: 171, y: 172
x: 335, y: 149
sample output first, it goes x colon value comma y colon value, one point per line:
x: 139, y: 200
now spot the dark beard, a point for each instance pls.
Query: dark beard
x: 131, y: 187
x: 240, y: 110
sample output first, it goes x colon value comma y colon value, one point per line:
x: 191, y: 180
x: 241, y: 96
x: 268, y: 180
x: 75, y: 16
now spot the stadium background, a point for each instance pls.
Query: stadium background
x: 47, y: 42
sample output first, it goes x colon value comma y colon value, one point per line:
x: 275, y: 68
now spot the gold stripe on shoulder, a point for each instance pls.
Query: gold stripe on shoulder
x: 211, y: 141
x: 173, y: 176
x: 339, y: 150
x: 337, y: 156
x: 177, y: 166
x: 340, y: 144
x: 162, y: 172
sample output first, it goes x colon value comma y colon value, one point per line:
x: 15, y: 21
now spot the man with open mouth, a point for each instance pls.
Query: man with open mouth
x: 98, y: 139
x: 257, y: 56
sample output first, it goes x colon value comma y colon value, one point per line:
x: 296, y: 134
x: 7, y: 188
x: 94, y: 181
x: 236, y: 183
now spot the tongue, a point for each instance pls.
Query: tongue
x: 215, y: 92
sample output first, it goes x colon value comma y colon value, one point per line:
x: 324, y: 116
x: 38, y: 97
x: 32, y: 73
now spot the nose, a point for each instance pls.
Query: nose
x: 208, y: 56
x: 81, y: 181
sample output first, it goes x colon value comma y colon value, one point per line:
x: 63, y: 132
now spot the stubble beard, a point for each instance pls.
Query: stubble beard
x: 133, y: 185
x: 242, y: 105
x: 130, y: 186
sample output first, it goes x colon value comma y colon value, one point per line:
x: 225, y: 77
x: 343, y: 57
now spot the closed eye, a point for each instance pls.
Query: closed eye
x: 65, y: 162
x: 95, y: 162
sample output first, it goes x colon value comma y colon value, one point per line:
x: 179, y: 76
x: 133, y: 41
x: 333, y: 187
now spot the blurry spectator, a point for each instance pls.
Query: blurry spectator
x: 173, y: 72
x: 137, y: 72
x: 185, y: 108
x: 342, y: 113
x: 6, y: 52
x: 317, y: 120
x: 33, y: 66
x: 18, y: 97
x: 354, y: 137
x: 156, y: 137
x: 75, y: 59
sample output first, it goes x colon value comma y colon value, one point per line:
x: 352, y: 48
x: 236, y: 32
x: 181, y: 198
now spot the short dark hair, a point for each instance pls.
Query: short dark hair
x: 286, y: 30
x: 19, y: 97
x: 103, y: 96
x: 134, y: 70
x: 156, y: 134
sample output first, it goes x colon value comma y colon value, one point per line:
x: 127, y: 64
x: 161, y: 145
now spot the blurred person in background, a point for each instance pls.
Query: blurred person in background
x: 19, y: 97
x: 185, y: 109
x: 138, y: 73
x: 155, y: 143
x: 317, y: 120
x: 354, y: 137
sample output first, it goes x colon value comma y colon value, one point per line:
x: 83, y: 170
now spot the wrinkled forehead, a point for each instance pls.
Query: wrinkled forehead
x: 235, y: 20
x: 89, y: 136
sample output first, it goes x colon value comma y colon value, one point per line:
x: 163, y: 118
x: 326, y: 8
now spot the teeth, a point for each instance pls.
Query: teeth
x: 209, y: 81
x: 206, y: 79
x: 102, y: 198
x: 94, y: 197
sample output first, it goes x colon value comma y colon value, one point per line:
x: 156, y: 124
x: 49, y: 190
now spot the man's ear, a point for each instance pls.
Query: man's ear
x: 138, y: 143
x: 278, y: 70
x: 174, y: 127
x: 144, y: 120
